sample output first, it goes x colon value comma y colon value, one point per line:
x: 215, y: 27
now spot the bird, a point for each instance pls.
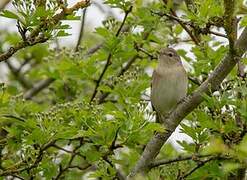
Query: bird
x: 169, y: 83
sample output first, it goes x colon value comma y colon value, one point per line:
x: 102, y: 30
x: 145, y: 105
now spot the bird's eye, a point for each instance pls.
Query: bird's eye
x: 170, y: 54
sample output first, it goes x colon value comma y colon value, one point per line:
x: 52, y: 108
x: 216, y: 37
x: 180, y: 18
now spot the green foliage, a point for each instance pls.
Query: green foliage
x: 63, y: 133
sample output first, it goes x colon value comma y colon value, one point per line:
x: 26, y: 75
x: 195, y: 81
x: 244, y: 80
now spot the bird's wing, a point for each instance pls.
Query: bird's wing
x: 155, y: 78
x: 152, y: 82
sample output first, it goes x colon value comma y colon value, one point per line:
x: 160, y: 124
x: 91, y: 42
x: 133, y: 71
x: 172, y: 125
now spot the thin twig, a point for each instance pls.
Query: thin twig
x: 94, y: 49
x: 193, y: 37
x: 183, y: 23
x: 13, y: 117
x: 217, y: 34
x: 68, y: 166
x: 151, y: 56
x: 199, y: 165
x: 68, y: 151
x: 194, y: 157
x: 230, y: 24
x: 38, y: 159
x: 83, y: 17
x: 80, y: 168
x: 16, y: 177
x: 194, y: 80
x: 113, y: 144
x: 108, y: 61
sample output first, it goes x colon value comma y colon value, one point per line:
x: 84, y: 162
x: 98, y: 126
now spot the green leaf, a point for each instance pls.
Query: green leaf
x: 102, y: 31
x: 62, y: 33
x: 105, y: 88
x: 243, y: 22
x: 9, y: 14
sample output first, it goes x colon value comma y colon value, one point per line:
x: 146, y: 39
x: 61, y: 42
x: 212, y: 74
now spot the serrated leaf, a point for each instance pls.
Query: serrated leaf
x: 62, y: 33
x: 9, y: 14
x: 105, y: 88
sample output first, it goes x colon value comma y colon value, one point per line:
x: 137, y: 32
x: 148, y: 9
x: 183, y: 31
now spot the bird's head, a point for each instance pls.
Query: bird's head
x: 169, y: 56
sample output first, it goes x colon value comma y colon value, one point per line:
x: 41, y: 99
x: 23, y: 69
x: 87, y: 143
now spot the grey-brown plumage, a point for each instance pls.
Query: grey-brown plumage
x: 169, y: 82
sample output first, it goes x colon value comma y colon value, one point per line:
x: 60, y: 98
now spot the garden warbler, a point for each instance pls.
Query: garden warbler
x: 169, y: 83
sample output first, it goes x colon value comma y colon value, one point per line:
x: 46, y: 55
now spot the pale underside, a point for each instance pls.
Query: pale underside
x: 168, y: 88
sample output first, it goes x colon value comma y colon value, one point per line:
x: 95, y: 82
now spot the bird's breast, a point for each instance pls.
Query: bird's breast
x: 168, y: 88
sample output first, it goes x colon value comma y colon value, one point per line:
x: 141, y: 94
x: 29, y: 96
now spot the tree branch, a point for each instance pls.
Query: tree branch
x: 69, y: 165
x: 18, y: 76
x: 37, y: 88
x: 38, y: 159
x: 68, y: 151
x: 12, y: 50
x: 194, y: 157
x: 83, y: 17
x: 177, y: 159
x: 173, y: 16
x: 193, y: 37
x: 217, y: 34
x: 199, y: 165
x: 189, y: 104
x: 230, y: 24
x: 94, y: 49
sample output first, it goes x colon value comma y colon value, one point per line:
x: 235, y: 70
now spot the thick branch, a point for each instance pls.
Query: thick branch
x: 18, y: 76
x: 189, y: 104
x: 230, y: 22
x: 37, y: 88
x: 12, y: 50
